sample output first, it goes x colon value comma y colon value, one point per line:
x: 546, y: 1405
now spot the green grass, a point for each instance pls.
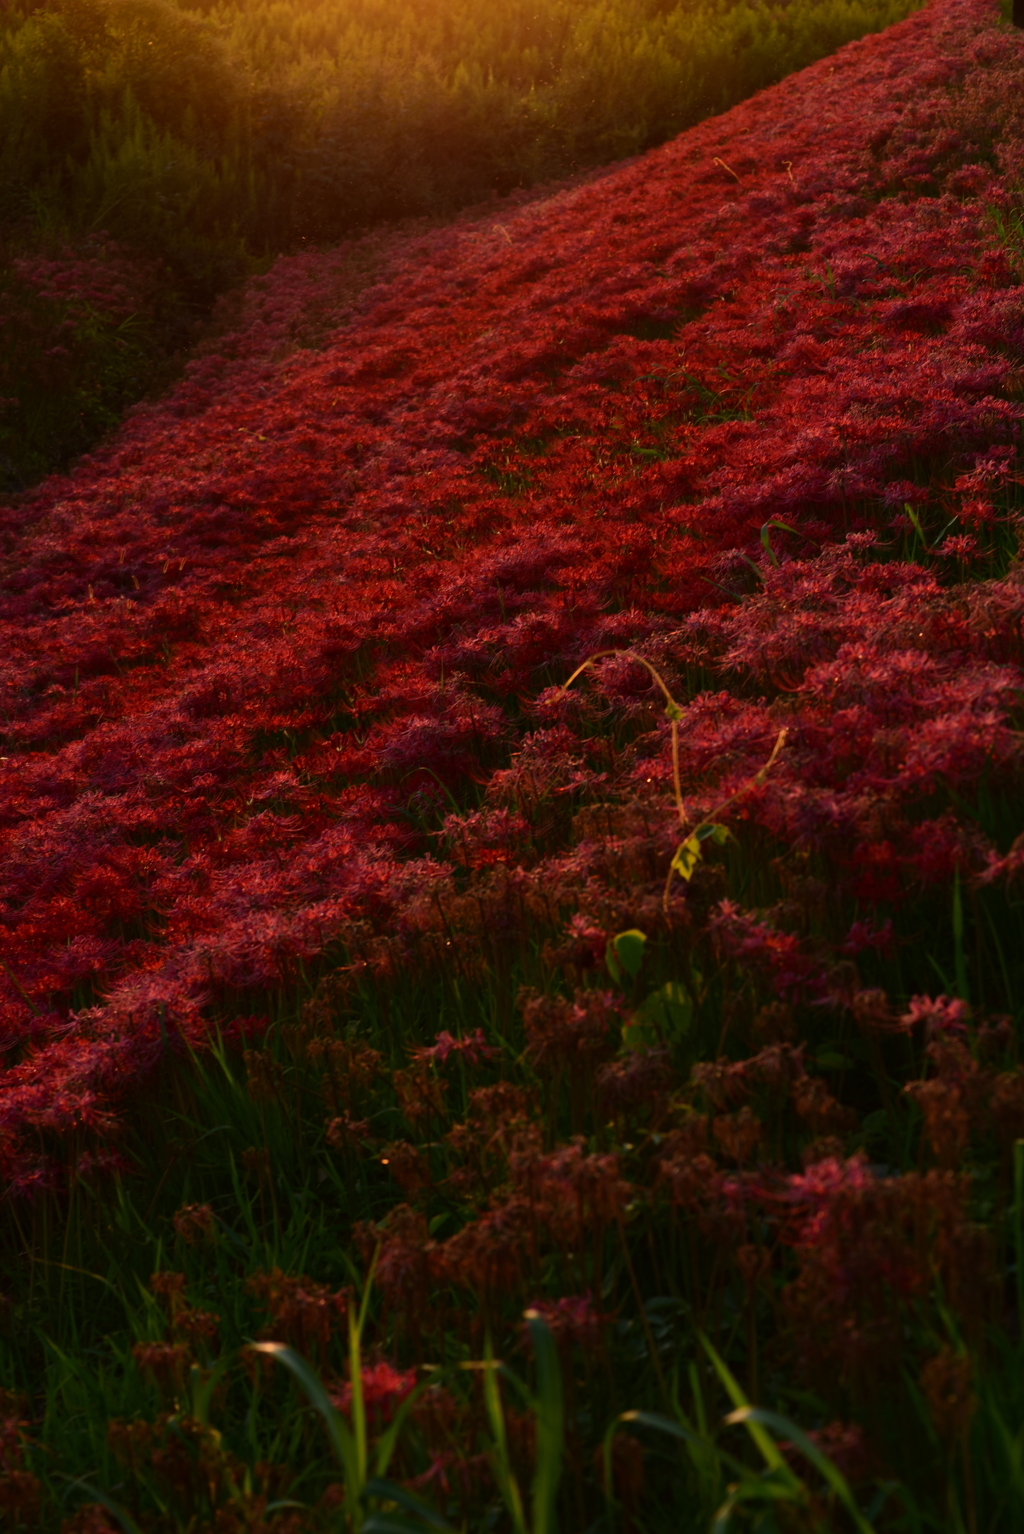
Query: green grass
x: 248, y: 1138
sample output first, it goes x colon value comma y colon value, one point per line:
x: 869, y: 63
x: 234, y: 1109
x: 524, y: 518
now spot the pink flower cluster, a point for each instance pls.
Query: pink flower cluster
x: 254, y: 645
x: 99, y: 274
x: 384, y: 1390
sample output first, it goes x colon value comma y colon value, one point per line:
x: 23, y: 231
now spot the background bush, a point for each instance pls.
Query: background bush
x: 205, y: 139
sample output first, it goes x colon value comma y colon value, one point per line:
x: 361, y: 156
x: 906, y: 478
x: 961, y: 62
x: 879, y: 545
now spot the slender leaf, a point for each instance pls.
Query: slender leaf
x: 824, y: 1466
x: 508, y: 1486
x: 769, y: 1451
x: 122, y: 1514
x: 390, y: 1491
x: 338, y: 1433
x: 550, y: 1417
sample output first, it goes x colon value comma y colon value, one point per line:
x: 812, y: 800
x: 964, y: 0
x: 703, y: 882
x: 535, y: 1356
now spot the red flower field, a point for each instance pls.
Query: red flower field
x: 284, y: 706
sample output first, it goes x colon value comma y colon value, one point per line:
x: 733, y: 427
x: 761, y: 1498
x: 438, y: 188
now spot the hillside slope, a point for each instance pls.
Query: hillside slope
x: 342, y: 944
x: 155, y: 153
x: 253, y: 647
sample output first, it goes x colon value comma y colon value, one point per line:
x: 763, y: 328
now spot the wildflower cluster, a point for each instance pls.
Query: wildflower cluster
x: 258, y: 641
x: 285, y: 715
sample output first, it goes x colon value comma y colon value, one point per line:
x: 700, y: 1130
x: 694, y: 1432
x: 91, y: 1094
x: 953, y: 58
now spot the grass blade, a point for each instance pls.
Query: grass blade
x: 766, y: 1445
x: 115, y: 1509
x: 550, y: 1416
x: 389, y: 1491
x: 507, y: 1483
x: 338, y: 1433
x: 830, y: 1473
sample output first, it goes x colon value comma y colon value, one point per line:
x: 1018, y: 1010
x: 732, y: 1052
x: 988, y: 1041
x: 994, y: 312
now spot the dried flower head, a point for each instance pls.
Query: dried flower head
x: 196, y: 1223
x: 166, y: 1363
x: 946, y: 1384
x: 946, y: 1119
x: 421, y: 1093
x: 739, y: 1134
x: 573, y: 1319
x: 300, y: 1312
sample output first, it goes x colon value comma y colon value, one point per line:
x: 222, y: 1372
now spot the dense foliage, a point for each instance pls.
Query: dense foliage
x: 678, y: 1008
x: 202, y: 140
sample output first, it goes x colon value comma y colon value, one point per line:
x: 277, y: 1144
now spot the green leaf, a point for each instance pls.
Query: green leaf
x: 688, y: 855
x: 122, y: 1514
x: 766, y: 543
x: 393, y: 1523
x: 638, y: 1035
x: 916, y: 520
x: 711, y: 831
x: 766, y: 1445
x: 696, y: 1445
x: 663, y: 1424
x: 202, y: 1390
x: 339, y: 1436
x: 667, y: 1012
x: 831, y: 1060
x: 829, y: 1472
x: 759, y: 1489
x: 784, y: 527
x: 389, y: 1439
x: 389, y: 1491
x: 959, y: 956
x: 550, y: 1420
x: 358, y: 1408
x: 625, y: 952
x: 502, y: 1466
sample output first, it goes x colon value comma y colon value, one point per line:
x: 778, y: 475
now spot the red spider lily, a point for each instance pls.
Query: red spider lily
x: 812, y: 1192
x: 781, y: 954
x: 941, y: 1017
x: 868, y: 1246
x: 384, y: 1390
x: 195, y: 1223
x: 484, y: 477
x: 473, y: 1048
x: 571, y: 1319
